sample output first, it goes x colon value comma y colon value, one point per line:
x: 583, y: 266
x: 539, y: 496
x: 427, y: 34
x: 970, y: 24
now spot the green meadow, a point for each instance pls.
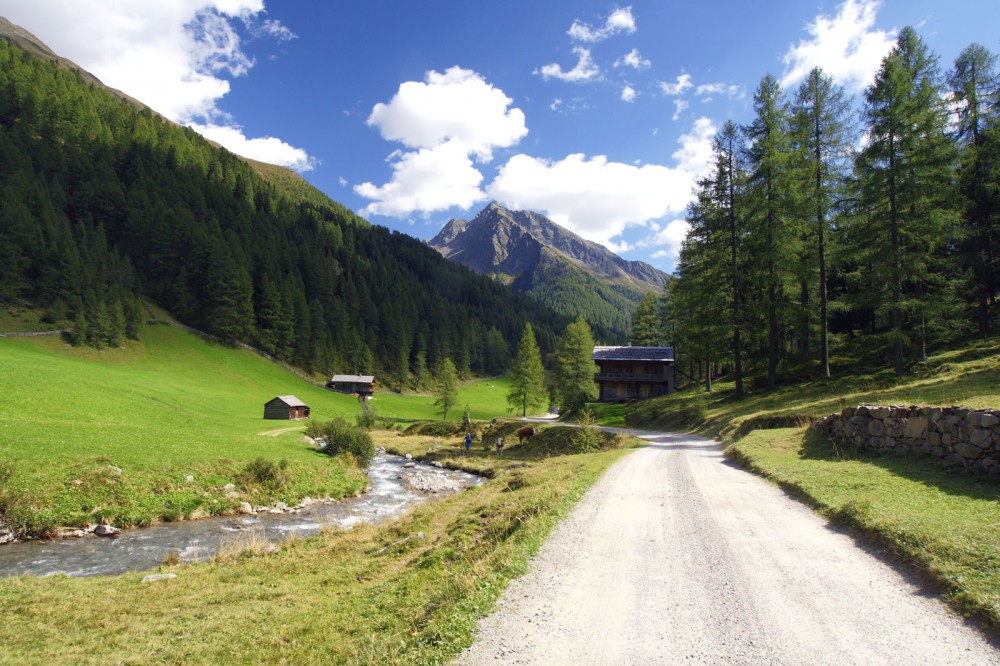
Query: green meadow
x: 157, y: 430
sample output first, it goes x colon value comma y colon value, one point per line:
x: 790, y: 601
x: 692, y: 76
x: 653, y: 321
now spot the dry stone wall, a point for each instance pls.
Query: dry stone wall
x: 970, y: 437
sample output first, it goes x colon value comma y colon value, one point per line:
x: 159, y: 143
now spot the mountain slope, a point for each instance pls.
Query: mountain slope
x: 553, y: 265
x: 102, y: 202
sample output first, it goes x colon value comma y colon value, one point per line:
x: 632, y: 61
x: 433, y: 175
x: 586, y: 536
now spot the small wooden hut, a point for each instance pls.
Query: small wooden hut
x: 360, y: 385
x: 286, y: 407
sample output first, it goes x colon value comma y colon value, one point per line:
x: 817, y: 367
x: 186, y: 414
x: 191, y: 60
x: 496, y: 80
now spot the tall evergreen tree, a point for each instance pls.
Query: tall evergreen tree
x: 905, y: 171
x: 646, y: 322
x: 447, y: 386
x: 527, y: 376
x: 822, y: 138
x: 575, y: 368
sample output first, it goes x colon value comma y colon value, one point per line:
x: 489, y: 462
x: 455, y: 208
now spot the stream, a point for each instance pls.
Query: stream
x: 146, y: 548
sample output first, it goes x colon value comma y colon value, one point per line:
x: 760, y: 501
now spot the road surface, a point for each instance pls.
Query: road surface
x: 677, y: 557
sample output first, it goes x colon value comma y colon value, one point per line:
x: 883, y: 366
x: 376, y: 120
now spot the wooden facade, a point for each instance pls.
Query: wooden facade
x: 360, y: 385
x: 634, y: 373
x: 286, y: 407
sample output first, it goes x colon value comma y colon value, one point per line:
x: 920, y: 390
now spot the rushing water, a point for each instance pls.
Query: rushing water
x: 146, y: 548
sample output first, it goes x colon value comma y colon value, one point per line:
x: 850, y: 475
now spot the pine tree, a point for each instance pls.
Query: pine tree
x: 527, y: 376
x: 646, y: 322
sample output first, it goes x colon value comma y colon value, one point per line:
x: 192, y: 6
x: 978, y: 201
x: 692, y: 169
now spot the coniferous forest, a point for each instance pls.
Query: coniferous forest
x: 869, y: 225
x: 103, y: 204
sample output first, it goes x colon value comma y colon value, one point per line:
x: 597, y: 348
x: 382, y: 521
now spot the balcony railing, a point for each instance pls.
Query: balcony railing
x: 627, y: 377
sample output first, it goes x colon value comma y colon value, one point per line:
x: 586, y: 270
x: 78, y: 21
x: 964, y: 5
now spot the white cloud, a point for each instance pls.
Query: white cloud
x: 426, y: 180
x: 598, y: 199
x: 267, y: 149
x: 620, y: 20
x: 669, y: 239
x: 847, y: 46
x: 556, y: 103
x: 584, y: 70
x: 174, y: 56
x: 678, y: 87
x: 629, y: 94
x: 342, y: 181
x: 730, y: 90
x: 633, y: 59
x: 448, y: 117
x: 679, y: 107
x: 457, y: 105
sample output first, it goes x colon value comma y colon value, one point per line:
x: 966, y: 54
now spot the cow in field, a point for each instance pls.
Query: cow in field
x: 525, y: 433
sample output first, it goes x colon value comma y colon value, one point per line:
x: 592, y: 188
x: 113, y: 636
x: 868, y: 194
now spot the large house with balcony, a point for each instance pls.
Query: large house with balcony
x: 634, y: 373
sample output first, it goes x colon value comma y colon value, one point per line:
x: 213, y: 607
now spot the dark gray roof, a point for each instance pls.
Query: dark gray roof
x: 633, y: 354
x: 351, y: 379
x: 289, y: 400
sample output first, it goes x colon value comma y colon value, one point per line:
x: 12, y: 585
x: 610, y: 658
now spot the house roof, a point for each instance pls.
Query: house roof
x: 633, y: 354
x: 290, y: 400
x: 353, y: 379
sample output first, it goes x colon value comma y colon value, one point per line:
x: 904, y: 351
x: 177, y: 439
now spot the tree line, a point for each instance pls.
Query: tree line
x: 818, y: 226
x: 103, y: 204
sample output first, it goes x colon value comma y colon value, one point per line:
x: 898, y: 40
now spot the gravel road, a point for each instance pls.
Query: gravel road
x: 676, y: 556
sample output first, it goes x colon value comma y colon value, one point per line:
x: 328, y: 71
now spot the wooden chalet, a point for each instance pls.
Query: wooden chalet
x: 634, y: 373
x: 360, y: 385
x: 286, y: 407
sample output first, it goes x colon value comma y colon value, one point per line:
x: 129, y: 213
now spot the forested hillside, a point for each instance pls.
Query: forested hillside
x: 101, y: 203
x: 819, y: 225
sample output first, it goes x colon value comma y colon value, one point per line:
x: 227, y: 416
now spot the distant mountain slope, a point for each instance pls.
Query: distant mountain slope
x: 550, y: 263
x: 103, y: 201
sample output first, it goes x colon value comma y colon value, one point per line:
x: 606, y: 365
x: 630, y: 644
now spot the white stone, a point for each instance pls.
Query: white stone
x: 152, y: 578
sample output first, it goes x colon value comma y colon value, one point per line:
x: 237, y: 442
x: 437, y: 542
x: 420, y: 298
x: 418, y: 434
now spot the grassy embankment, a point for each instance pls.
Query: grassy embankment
x: 409, y: 591
x: 942, y: 520
x: 89, y: 436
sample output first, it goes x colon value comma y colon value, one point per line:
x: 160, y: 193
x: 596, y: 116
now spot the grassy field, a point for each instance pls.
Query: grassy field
x: 941, y: 519
x: 113, y: 435
x: 486, y: 398
x: 406, y: 592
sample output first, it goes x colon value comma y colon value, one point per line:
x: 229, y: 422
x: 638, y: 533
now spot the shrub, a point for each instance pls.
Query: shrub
x: 342, y: 437
x: 367, y: 419
x: 587, y: 437
x: 267, y: 473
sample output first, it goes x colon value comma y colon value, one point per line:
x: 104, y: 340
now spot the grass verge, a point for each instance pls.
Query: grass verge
x: 407, y: 592
x: 944, y: 521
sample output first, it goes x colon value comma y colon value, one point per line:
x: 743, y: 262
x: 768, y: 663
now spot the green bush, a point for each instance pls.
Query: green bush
x: 264, y: 472
x: 342, y: 437
x: 367, y: 419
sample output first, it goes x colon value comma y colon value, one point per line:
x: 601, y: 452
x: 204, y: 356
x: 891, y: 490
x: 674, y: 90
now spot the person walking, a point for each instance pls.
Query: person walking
x: 468, y: 442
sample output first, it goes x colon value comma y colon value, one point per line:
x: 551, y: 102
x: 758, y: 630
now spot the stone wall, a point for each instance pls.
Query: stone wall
x: 970, y: 437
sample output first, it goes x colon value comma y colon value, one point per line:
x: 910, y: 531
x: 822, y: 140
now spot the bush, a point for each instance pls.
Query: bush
x: 342, y: 437
x: 367, y: 419
x: 587, y: 438
x: 264, y: 472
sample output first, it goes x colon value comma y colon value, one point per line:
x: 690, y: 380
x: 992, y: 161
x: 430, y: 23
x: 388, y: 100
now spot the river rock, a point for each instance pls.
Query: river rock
x: 306, y: 501
x: 409, y: 465
x: 429, y: 482
x: 280, y: 506
x: 408, y: 456
x: 106, y: 530
x: 245, y: 508
x: 152, y: 578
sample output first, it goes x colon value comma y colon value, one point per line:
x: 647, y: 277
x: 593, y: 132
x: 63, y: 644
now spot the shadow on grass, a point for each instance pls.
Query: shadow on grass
x: 927, y: 470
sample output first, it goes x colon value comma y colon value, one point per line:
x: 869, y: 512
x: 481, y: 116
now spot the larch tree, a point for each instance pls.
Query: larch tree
x: 646, y: 322
x: 447, y: 386
x: 822, y: 139
x: 527, y: 376
x: 575, y: 367
x: 906, y: 177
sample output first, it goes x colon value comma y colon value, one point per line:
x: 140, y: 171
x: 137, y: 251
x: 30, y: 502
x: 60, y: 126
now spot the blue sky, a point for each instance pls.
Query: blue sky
x: 597, y: 114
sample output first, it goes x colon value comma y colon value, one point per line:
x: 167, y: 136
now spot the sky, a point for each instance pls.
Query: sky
x: 599, y: 115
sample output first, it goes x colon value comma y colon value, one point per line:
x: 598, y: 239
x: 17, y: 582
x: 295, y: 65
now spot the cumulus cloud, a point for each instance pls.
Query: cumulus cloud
x: 597, y: 198
x: 449, y: 118
x: 174, y: 57
x: 620, y: 20
x: 264, y: 149
x: 633, y: 59
x: 681, y: 85
x: 629, y: 94
x: 669, y: 239
x: 584, y: 70
x: 457, y: 105
x: 426, y: 180
x: 727, y: 89
x: 847, y: 46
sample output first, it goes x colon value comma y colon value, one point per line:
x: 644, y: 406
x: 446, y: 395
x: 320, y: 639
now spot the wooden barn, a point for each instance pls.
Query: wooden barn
x: 360, y: 385
x: 634, y: 373
x: 286, y: 407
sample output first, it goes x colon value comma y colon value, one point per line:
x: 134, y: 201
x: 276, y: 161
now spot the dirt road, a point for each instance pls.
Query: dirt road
x: 676, y: 556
